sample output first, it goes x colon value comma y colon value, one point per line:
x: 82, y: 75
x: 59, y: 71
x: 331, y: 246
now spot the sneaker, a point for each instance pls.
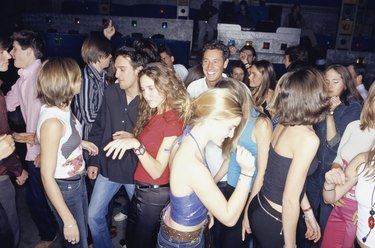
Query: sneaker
x: 120, y: 217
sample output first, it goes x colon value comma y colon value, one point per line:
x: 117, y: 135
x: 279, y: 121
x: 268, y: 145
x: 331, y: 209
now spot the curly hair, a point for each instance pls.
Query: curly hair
x: 167, y: 84
x: 217, y: 45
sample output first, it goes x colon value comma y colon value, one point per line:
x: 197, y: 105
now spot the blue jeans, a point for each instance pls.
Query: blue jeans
x: 103, y: 192
x: 37, y: 201
x: 166, y: 242
x: 75, y: 196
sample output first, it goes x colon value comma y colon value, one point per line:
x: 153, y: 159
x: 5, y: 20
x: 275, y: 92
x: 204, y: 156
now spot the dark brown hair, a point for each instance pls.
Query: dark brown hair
x: 268, y: 79
x: 29, y: 39
x: 303, y: 97
x: 350, y: 92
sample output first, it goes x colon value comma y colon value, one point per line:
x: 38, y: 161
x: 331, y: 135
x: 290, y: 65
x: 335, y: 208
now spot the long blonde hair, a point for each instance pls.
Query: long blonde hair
x: 367, y: 118
x: 243, y: 95
x: 220, y: 104
x: 166, y: 83
x: 369, y: 165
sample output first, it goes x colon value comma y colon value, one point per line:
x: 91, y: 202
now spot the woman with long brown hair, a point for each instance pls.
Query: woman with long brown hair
x: 160, y: 121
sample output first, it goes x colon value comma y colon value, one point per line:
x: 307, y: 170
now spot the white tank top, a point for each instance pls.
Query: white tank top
x: 69, y: 155
x: 363, y: 193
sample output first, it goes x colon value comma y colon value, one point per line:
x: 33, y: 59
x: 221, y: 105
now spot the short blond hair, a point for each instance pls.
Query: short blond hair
x: 56, y: 79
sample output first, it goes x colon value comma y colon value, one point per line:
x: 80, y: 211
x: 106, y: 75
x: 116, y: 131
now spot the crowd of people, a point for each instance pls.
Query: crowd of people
x: 206, y: 159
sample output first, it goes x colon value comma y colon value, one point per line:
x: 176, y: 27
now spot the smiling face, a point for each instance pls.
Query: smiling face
x: 126, y: 75
x: 213, y: 65
x: 222, y: 129
x: 335, y: 84
x: 150, y: 92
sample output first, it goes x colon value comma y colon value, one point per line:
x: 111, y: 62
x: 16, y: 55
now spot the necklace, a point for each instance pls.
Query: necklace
x: 371, y: 221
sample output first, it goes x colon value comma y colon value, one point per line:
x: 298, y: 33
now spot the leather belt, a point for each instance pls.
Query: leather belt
x: 150, y: 186
x: 180, y: 236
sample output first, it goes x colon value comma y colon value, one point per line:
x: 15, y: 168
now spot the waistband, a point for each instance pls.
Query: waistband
x: 268, y: 209
x: 140, y: 185
x: 181, y: 236
x: 72, y: 179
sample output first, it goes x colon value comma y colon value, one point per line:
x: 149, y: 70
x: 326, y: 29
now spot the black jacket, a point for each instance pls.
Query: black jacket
x: 115, y: 115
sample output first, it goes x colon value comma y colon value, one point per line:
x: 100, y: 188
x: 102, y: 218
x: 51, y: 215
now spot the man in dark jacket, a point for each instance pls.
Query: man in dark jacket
x: 115, y: 119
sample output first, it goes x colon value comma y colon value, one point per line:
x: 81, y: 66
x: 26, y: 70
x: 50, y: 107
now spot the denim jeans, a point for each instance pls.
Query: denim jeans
x: 37, y: 202
x: 103, y: 192
x: 166, y: 242
x: 75, y: 196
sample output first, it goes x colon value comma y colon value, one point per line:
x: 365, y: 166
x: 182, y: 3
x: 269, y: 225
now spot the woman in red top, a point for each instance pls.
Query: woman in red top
x: 163, y: 101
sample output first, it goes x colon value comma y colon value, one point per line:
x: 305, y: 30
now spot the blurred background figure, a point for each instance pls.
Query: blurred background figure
x: 207, y: 22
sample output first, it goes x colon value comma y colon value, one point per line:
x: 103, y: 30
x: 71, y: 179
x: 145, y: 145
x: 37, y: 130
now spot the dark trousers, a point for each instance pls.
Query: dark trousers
x: 321, y: 210
x: 8, y: 202
x: 6, y: 234
x: 39, y: 209
x: 144, y: 217
x: 232, y: 236
x: 267, y: 231
x: 216, y: 229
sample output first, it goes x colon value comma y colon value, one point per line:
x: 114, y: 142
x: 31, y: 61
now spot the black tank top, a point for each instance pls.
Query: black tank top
x: 276, y: 174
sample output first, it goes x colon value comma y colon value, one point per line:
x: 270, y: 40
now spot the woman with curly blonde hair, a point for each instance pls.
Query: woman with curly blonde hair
x: 163, y: 102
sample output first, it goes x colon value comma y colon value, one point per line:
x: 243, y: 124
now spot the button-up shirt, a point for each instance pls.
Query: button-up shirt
x: 87, y: 104
x: 24, y: 94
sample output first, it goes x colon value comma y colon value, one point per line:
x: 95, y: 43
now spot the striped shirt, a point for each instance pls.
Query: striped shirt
x: 87, y: 104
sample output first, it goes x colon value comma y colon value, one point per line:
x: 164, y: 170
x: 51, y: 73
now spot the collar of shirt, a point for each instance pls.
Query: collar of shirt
x: 29, y: 70
x: 99, y: 76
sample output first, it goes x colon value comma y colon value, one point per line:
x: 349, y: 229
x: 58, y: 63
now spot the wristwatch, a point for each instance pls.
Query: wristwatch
x: 331, y: 112
x: 140, y: 150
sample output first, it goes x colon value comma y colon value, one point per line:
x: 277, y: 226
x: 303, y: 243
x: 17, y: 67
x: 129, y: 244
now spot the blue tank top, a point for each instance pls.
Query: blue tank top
x: 188, y: 210
x: 245, y: 141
